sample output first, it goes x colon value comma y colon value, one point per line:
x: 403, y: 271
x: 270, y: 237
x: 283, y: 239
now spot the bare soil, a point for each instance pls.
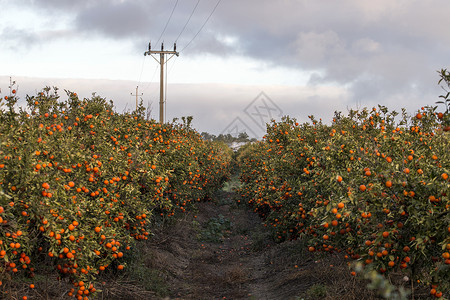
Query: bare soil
x: 222, y: 251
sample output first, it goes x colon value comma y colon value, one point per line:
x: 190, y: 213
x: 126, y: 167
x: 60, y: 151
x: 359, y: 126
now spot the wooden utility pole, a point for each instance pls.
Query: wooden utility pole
x: 161, y: 62
x: 137, y: 95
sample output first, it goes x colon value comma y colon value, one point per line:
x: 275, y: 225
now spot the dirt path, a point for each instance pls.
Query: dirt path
x: 222, y: 251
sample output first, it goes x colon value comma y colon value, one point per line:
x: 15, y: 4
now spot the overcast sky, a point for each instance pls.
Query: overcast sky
x: 241, y: 61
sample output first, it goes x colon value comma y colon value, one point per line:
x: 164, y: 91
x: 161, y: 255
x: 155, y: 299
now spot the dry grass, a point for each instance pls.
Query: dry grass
x: 244, y: 263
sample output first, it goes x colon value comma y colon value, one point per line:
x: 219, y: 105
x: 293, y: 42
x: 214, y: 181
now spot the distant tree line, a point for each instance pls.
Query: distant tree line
x: 228, y: 138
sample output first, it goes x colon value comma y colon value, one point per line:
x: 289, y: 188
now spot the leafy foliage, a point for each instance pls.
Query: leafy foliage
x: 80, y: 184
x: 367, y: 185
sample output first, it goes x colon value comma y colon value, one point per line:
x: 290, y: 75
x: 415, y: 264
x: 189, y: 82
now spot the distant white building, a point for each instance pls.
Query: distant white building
x: 236, y: 145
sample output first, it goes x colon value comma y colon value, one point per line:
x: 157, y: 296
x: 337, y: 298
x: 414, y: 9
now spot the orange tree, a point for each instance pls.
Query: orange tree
x: 367, y: 185
x: 80, y: 183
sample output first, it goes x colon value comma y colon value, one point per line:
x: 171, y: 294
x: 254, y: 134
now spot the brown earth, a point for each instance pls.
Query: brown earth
x: 222, y: 251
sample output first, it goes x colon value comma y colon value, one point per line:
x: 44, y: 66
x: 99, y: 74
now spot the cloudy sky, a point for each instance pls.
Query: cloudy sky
x: 241, y: 61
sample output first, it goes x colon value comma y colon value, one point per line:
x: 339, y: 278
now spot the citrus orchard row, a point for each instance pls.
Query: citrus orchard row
x: 81, y: 183
x: 373, y: 185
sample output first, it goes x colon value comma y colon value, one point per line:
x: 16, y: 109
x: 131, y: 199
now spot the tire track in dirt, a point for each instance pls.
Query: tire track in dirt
x: 222, y: 251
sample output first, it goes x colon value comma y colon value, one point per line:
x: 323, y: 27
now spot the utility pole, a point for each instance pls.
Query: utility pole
x: 161, y: 62
x: 137, y: 95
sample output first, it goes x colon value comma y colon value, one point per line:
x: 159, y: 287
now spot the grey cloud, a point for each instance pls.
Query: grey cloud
x: 18, y: 39
x: 385, y: 46
x: 120, y: 20
x: 130, y: 19
x: 375, y: 48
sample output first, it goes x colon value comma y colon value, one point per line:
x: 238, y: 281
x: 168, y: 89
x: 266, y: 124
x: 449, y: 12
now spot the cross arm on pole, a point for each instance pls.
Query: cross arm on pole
x: 162, y: 53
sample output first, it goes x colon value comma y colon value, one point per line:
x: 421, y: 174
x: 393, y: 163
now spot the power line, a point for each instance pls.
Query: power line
x: 201, y: 28
x: 142, y: 70
x: 165, y: 95
x: 151, y: 80
x: 162, y: 60
x: 173, y: 64
x: 184, y: 27
x: 167, y: 23
x: 162, y: 33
